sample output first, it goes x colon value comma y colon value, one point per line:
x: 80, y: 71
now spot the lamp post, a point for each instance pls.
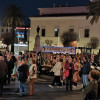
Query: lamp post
x: 79, y: 32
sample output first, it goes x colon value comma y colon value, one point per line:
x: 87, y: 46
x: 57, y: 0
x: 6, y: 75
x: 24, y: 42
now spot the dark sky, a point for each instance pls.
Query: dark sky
x: 29, y: 7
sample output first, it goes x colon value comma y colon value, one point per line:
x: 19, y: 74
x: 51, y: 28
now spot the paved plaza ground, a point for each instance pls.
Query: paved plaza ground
x: 43, y: 91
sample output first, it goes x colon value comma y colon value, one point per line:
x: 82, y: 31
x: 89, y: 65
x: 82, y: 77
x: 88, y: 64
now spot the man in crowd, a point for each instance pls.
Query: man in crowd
x: 85, y: 71
x: 10, y: 65
x: 3, y: 73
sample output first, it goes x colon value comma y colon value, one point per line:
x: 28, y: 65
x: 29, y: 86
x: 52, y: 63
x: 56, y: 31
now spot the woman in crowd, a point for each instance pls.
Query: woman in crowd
x: 69, y: 69
x: 91, y: 91
x: 57, y: 73
x: 29, y: 59
x: 76, y: 77
x: 32, y: 76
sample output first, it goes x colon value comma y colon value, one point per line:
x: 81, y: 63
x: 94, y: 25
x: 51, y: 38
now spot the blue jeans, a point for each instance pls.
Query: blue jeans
x: 85, y: 80
x: 22, y: 87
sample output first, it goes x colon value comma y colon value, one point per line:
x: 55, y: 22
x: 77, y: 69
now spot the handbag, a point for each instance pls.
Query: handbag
x: 32, y: 73
x: 76, y: 77
x: 66, y: 73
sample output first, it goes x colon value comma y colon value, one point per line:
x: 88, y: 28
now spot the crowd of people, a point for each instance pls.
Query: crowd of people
x: 67, y: 69
x: 23, y: 67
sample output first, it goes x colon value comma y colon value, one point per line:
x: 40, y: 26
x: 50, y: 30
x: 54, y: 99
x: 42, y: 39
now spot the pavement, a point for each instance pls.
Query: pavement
x: 43, y: 91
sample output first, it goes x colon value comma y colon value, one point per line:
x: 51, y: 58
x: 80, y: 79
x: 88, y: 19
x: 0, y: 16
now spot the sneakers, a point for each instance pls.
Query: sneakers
x: 20, y: 96
x: 51, y: 86
x: 58, y: 86
x: 74, y: 86
x: 82, y: 89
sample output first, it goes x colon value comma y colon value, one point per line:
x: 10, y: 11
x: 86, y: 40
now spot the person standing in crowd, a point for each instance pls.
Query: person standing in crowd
x: 19, y: 56
x: 13, y: 57
x: 29, y: 59
x: 19, y: 63
x: 57, y: 73
x: 85, y: 71
x: 22, y: 77
x: 91, y: 90
x: 32, y: 76
x: 10, y: 65
x: 38, y: 62
x: 3, y: 73
x: 76, y: 72
x: 6, y: 53
x: 69, y: 69
x: 15, y: 65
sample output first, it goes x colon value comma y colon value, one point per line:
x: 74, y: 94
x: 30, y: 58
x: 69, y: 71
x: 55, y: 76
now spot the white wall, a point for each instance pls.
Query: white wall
x: 79, y: 23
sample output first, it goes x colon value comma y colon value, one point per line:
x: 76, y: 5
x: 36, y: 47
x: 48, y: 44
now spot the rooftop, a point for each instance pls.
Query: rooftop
x: 63, y: 10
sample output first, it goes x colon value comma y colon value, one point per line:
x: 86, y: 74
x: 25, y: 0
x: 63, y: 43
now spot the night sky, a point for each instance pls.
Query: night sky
x: 29, y: 7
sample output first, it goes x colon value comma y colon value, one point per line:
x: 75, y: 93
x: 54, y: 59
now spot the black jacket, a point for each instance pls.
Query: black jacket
x: 86, y: 68
x: 3, y: 68
x: 10, y: 65
x: 22, y: 73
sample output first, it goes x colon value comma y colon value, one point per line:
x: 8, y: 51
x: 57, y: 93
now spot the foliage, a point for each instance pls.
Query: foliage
x: 94, y: 43
x: 6, y: 38
x: 94, y: 9
x: 13, y: 16
x: 48, y: 42
x: 68, y: 37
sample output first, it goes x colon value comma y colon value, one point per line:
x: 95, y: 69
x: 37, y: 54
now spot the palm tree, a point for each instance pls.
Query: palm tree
x: 12, y: 17
x: 94, y: 9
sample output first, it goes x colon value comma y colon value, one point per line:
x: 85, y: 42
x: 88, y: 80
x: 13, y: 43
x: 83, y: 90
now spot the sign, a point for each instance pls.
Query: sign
x: 69, y: 50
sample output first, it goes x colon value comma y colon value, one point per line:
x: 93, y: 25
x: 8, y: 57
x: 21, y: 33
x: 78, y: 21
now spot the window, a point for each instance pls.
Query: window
x: 71, y: 30
x: 6, y: 30
x: 2, y: 30
x: 43, y: 32
x: 56, y: 32
x: 86, y: 33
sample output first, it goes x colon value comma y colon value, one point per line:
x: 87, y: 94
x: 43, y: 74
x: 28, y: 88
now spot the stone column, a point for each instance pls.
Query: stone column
x: 37, y: 47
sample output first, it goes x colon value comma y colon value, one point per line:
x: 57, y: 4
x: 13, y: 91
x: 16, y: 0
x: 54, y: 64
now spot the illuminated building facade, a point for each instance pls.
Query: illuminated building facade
x: 54, y: 21
x: 21, y: 39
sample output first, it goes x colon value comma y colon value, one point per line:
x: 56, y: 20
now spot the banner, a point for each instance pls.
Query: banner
x: 69, y: 50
